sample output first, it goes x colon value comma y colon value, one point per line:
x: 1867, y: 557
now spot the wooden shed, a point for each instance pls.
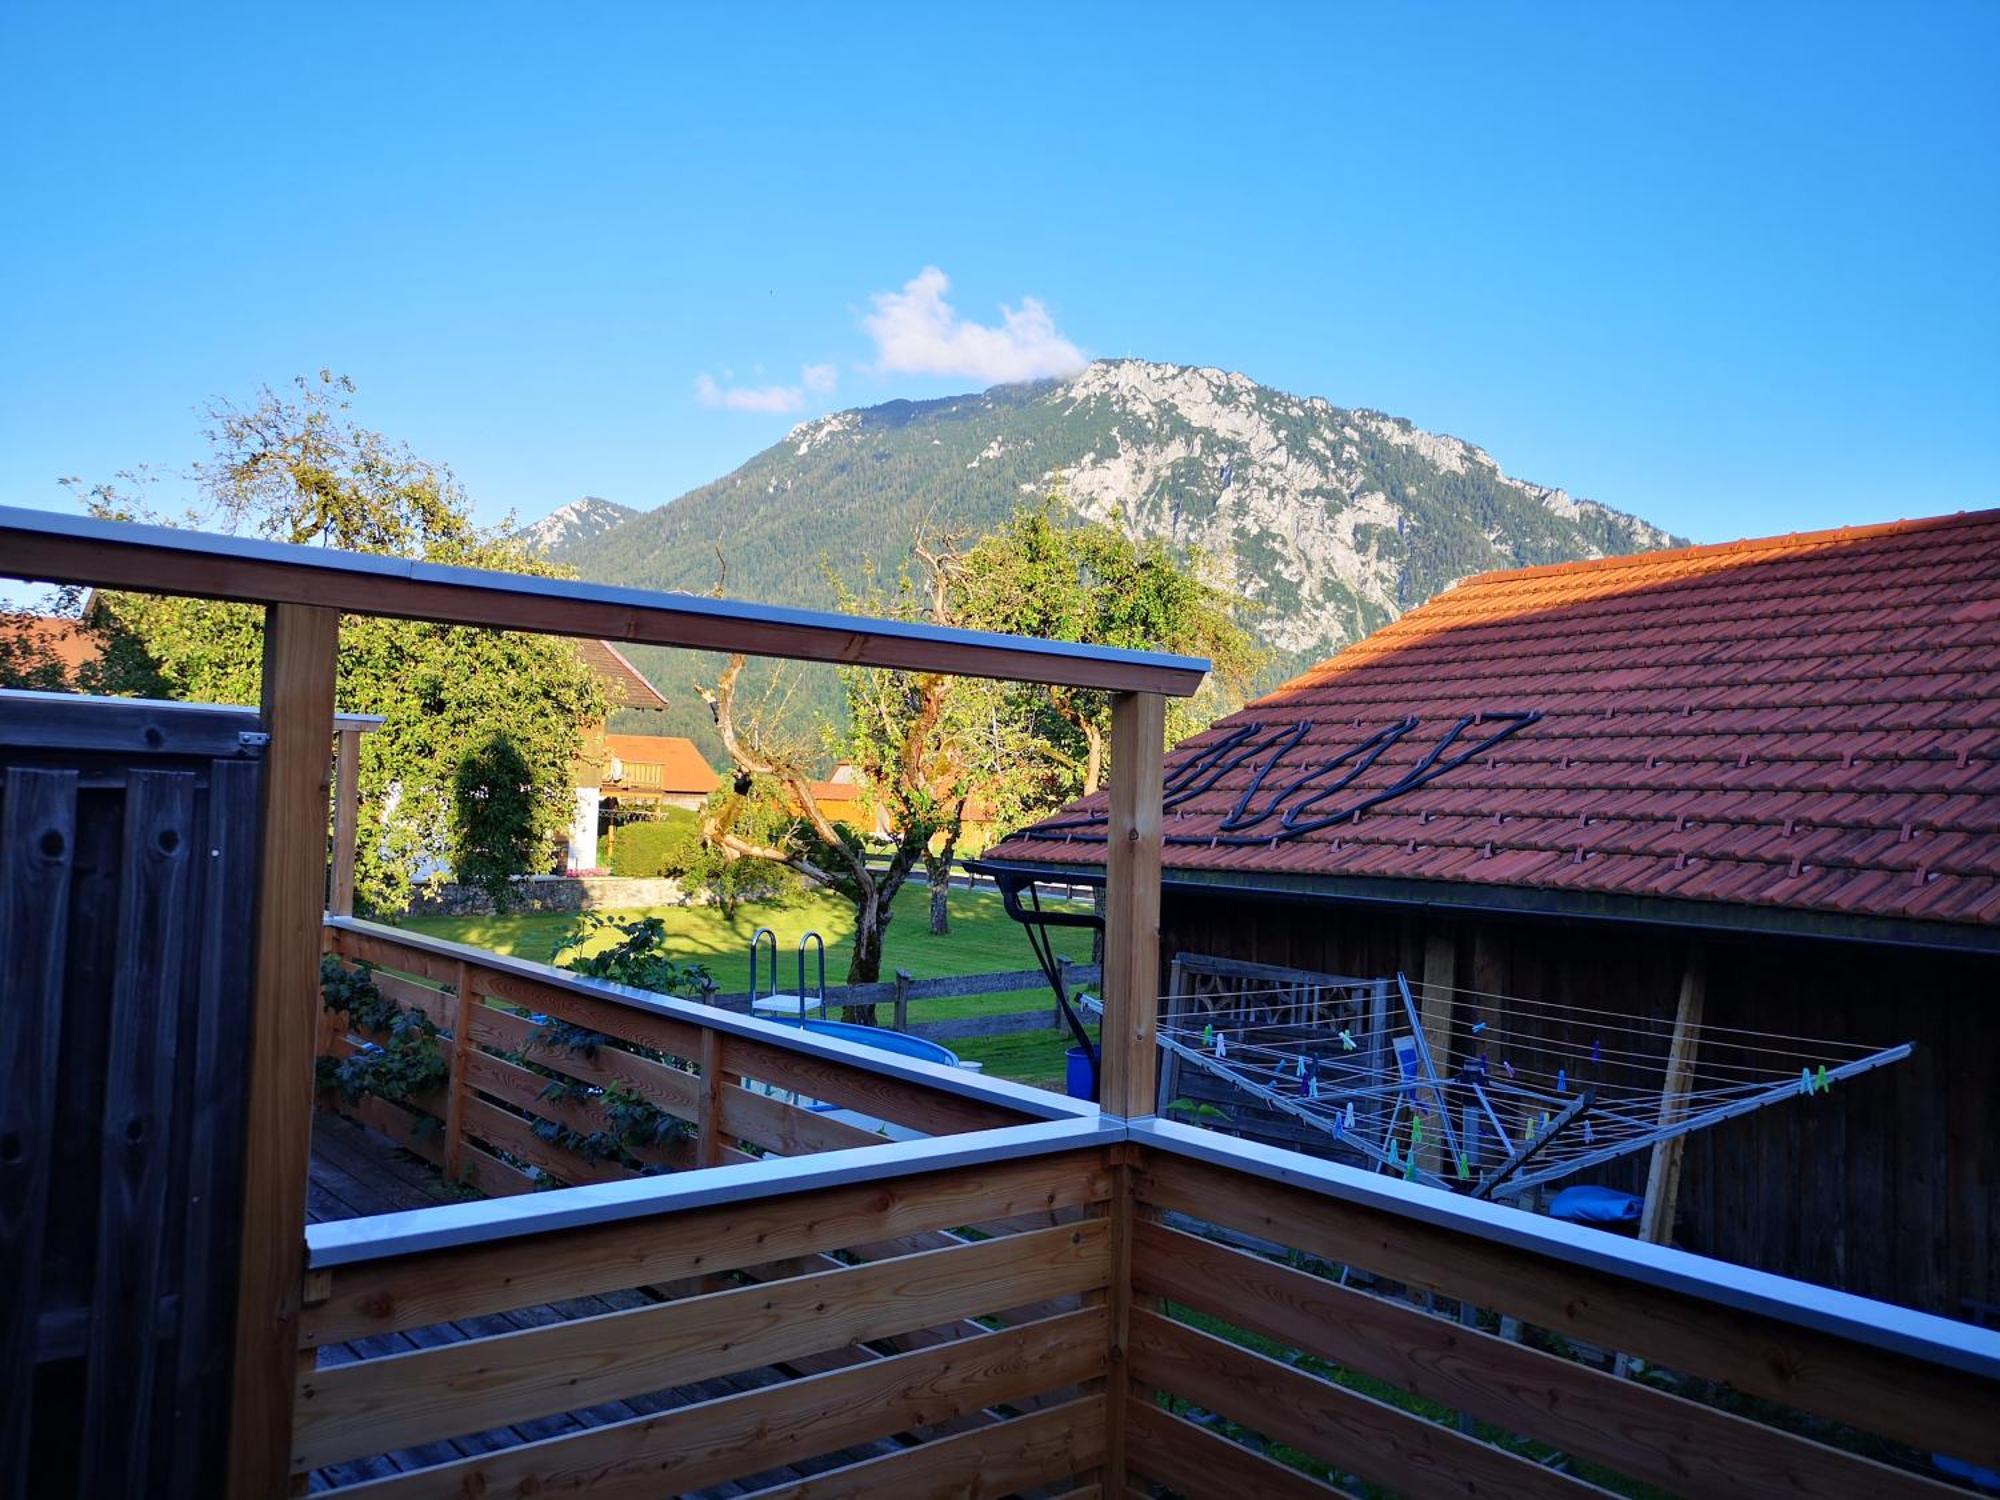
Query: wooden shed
x: 1757, y: 784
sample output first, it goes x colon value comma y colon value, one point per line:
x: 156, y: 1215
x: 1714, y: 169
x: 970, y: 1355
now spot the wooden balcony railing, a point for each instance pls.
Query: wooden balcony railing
x: 520, y: 1108
x: 1140, y: 1299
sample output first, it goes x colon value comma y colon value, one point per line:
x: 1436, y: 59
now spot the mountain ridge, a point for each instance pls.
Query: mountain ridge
x: 1327, y: 521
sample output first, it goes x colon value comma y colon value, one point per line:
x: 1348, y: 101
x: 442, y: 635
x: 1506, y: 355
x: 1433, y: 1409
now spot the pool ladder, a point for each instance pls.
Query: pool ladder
x: 801, y: 996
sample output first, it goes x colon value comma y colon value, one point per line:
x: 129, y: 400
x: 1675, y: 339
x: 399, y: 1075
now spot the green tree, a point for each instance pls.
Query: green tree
x: 493, y: 805
x: 297, y: 468
x: 1047, y: 574
x: 899, y: 736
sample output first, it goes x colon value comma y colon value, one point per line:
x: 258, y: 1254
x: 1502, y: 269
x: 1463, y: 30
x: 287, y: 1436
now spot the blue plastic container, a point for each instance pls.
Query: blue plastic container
x: 1080, y: 1075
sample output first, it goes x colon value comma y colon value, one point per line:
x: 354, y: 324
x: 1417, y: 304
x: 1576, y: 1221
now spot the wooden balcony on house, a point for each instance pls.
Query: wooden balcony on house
x: 1007, y: 1292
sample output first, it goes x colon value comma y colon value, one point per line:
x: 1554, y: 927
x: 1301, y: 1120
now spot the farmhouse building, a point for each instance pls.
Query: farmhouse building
x: 1757, y: 783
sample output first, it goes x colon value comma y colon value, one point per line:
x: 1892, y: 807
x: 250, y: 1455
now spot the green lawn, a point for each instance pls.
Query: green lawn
x: 982, y: 940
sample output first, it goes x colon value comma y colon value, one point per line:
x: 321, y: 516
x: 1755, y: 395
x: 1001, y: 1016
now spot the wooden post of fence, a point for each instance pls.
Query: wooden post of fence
x: 1663, y: 1171
x: 1132, y: 905
x: 902, y: 1000
x: 346, y: 816
x: 708, y: 1109
x: 301, y: 643
x: 456, y: 1085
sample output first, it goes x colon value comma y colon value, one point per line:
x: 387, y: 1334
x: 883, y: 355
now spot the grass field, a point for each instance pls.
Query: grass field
x: 982, y: 940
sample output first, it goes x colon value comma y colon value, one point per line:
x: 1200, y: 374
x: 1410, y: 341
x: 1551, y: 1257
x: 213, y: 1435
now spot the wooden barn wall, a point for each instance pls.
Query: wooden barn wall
x: 127, y: 878
x: 1889, y: 1187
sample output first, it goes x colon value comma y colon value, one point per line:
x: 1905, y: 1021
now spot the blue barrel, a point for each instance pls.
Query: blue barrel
x: 1081, y: 1074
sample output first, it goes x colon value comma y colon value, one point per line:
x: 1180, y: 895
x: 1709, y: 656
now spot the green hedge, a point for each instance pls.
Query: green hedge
x: 666, y: 846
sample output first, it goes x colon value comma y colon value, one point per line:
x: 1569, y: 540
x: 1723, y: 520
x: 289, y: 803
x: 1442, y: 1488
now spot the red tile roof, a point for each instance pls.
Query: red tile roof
x: 625, y: 686
x: 683, y: 770
x: 67, y: 641
x: 1809, y: 722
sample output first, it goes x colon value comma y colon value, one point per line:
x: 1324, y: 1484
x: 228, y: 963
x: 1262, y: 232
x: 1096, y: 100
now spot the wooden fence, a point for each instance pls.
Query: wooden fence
x: 901, y: 991
x: 538, y: 1061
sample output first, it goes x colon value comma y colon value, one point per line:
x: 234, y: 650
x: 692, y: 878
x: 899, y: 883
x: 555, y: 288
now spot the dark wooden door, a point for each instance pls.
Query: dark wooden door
x: 128, y: 865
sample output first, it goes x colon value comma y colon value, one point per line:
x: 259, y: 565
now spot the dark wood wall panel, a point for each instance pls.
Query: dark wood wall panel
x: 127, y: 876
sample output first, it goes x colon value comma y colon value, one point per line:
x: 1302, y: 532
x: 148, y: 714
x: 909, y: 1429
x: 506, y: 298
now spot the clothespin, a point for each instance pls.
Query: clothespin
x: 1597, y: 1051
x: 1562, y: 1080
x: 1508, y: 1066
x: 1312, y: 1086
x: 1416, y: 1131
x: 1337, y: 1126
x: 1410, y: 1169
x: 1589, y: 1135
x: 1394, y: 1159
x: 1464, y: 1172
x: 1822, y: 1082
x: 1477, y: 1027
x: 1302, y: 1065
x: 1208, y: 1036
x: 1350, y: 1114
x: 1346, y: 1041
x: 1805, y: 1080
x: 1221, y: 1045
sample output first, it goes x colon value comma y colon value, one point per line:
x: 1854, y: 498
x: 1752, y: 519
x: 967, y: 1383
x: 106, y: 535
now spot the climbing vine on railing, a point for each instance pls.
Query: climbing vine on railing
x: 405, y: 1065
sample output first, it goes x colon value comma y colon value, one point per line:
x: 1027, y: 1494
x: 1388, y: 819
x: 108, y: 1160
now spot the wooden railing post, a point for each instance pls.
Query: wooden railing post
x: 455, y: 1085
x: 301, y: 643
x: 346, y: 818
x: 708, y: 1124
x: 1126, y: 1079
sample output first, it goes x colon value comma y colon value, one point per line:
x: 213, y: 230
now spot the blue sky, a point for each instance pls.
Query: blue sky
x: 1734, y: 268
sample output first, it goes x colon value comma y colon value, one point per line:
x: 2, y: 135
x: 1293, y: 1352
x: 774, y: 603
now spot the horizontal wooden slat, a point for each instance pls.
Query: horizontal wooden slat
x: 1639, y: 1431
x: 511, y: 1084
x: 508, y: 1132
x: 415, y: 1290
x: 1927, y: 1406
x: 785, y: 1128
x: 1203, y: 1466
x: 709, y: 1443
x: 412, y: 994
x: 59, y: 548
x: 933, y: 1112
x: 1028, y: 1451
x: 773, y: 1124
x: 369, y: 948
x: 1355, y: 1433
x: 374, y: 1405
x: 629, y: 1023
x: 672, y: 1089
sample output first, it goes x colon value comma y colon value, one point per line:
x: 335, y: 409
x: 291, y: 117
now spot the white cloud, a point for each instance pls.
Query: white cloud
x: 917, y: 332
x: 817, y: 378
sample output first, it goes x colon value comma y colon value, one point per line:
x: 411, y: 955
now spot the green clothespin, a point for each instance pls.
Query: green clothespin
x: 1822, y: 1082
x: 1346, y: 1041
x: 1410, y: 1172
x: 1416, y: 1132
x: 1208, y: 1036
x: 1464, y: 1175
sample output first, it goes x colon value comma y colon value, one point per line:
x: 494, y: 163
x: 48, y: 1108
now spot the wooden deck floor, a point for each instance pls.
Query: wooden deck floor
x: 356, y: 1173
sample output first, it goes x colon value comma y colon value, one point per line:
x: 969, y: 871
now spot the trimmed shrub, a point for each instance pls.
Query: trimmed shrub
x: 667, y: 845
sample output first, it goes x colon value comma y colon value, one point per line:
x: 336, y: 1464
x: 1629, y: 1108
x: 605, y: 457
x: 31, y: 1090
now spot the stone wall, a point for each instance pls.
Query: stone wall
x: 553, y: 893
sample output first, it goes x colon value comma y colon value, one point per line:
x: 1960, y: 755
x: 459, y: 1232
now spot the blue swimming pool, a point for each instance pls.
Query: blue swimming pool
x: 878, y: 1036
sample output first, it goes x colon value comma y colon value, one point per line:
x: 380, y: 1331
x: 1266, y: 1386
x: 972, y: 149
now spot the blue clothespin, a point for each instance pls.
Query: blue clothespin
x: 1597, y: 1051
x: 1589, y: 1135
x: 1805, y: 1080
x: 1302, y: 1065
x: 1312, y: 1086
x: 1562, y: 1080
x: 1477, y: 1027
